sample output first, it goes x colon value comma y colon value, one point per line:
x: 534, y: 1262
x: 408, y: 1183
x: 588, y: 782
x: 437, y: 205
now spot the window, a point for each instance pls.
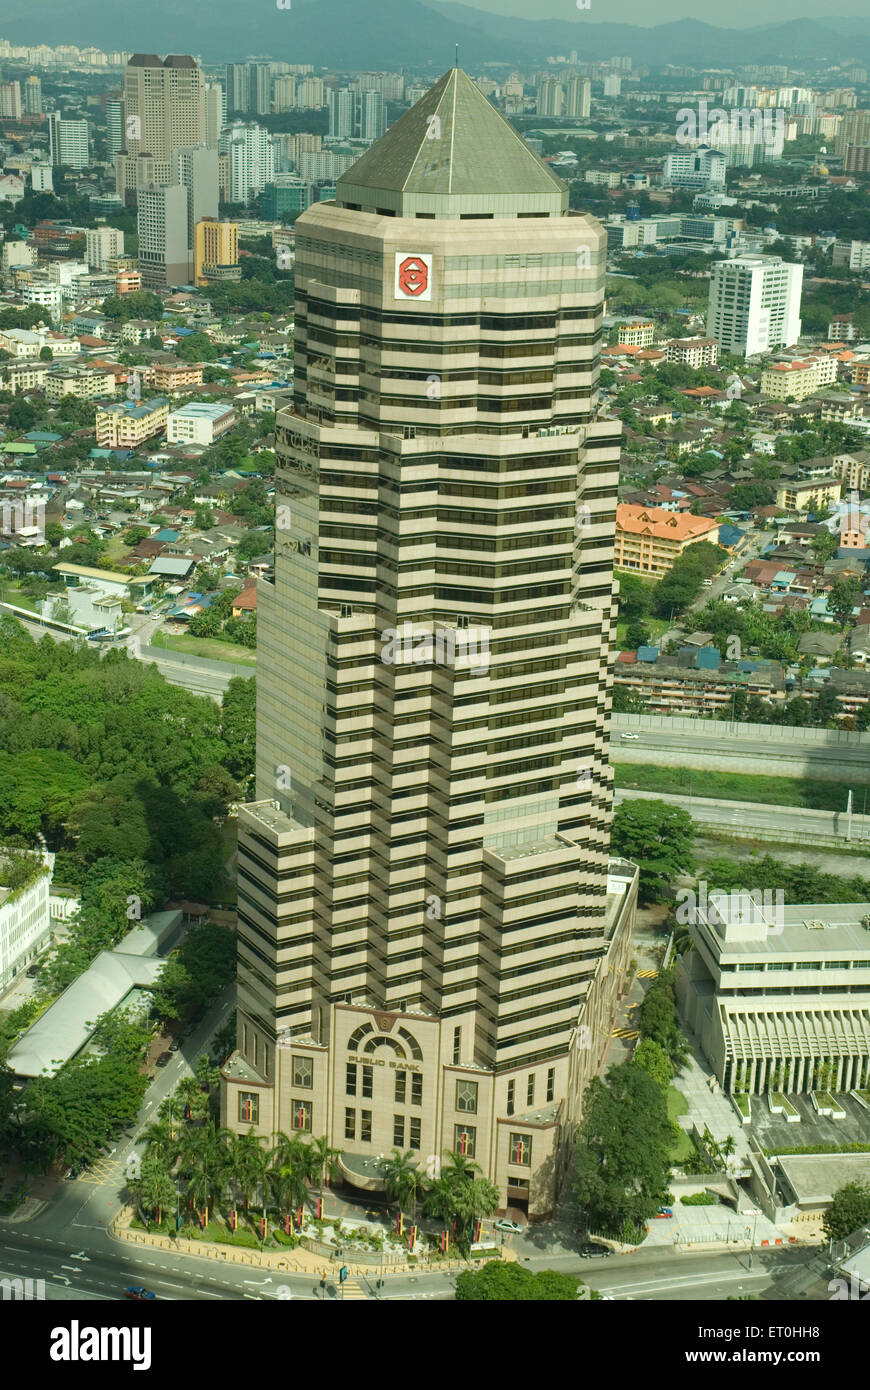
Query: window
x: 249, y: 1108
x: 521, y: 1150
x: 463, y: 1140
x: 302, y: 1114
x: 466, y: 1096
x: 399, y: 1131
x: 416, y: 1088
x: 414, y: 1137
x: 303, y: 1071
x: 350, y: 1087
x: 457, y: 1044
x: 365, y: 1132
x: 530, y: 1089
x: 551, y: 1082
x: 510, y: 1097
x: 350, y: 1124
x: 401, y: 1087
x: 367, y: 1073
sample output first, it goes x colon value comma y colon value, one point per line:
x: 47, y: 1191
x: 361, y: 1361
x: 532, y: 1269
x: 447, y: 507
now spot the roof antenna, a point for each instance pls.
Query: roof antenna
x: 456, y: 64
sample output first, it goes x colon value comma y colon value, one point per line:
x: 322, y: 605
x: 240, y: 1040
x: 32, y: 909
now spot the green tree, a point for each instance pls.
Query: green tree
x: 403, y: 1180
x: 500, y: 1282
x: 849, y: 1210
x: 658, y: 838
x: 622, y: 1168
x: 654, y: 1060
x: 323, y: 1162
x: 843, y: 596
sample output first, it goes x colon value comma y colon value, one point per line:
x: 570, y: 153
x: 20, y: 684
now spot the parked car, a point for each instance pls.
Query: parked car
x: 665, y: 1211
x: 590, y: 1252
x: 175, y: 1045
x: 136, y: 1291
x: 164, y: 1058
x: 706, y: 583
x: 505, y: 1225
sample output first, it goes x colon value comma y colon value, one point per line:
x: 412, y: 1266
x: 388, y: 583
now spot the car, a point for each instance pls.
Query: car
x: 505, y: 1225
x: 32, y: 971
x: 706, y: 583
x: 591, y: 1252
x: 164, y: 1058
x: 665, y: 1211
x: 175, y: 1045
x: 629, y: 735
x: 136, y: 1291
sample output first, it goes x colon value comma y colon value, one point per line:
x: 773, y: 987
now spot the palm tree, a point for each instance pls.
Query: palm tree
x: 161, y: 1142
x: 155, y: 1187
x: 323, y: 1160
x: 249, y: 1163
x: 403, y: 1180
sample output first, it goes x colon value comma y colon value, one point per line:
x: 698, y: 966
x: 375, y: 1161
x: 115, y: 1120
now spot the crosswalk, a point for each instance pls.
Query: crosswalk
x: 352, y: 1288
x: 647, y: 974
x: 625, y: 1033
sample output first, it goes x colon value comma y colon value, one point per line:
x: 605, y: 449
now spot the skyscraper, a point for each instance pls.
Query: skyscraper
x: 250, y: 159
x: 754, y: 304
x: 238, y: 88
x: 215, y: 113
x: 164, y: 110
x: 578, y: 97
x: 114, y: 127
x: 196, y: 169
x: 10, y: 100
x: 164, y: 260
x: 428, y: 944
x: 33, y: 96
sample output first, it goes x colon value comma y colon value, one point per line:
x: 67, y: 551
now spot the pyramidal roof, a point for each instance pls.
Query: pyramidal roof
x: 452, y: 155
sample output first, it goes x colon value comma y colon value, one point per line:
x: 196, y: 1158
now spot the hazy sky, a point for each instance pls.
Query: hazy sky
x: 737, y: 14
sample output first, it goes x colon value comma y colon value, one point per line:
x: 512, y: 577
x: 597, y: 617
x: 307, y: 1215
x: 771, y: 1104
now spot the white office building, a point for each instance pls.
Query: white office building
x: 25, y: 924
x: 754, y: 304
x: 68, y: 142
x: 101, y: 245
x: 199, y: 422
x: 702, y: 169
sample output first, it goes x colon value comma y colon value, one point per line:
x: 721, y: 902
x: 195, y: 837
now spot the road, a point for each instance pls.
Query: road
x: 739, y: 816
x: 719, y: 746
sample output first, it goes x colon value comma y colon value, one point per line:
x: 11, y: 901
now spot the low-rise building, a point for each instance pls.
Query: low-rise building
x: 779, y: 994
x: 811, y: 495
x: 199, y: 422
x: 127, y: 424
x: 795, y: 380
x: 635, y: 334
x: 85, y: 383
x: 173, y: 376
x: 28, y: 375
x: 693, y: 352
x: 650, y: 539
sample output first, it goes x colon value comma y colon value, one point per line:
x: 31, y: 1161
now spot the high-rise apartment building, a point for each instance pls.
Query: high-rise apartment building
x: 550, y: 100
x: 430, y: 932
x: 260, y: 89
x: 164, y: 258
x: 114, y: 127
x: 215, y: 113
x: 356, y: 115
x: 578, y: 97
x: 284, y: 98
x: 854, y: 130
x: 68, y: 142
x: 238, y: 79
x: 33, y: 96
x: 310, y: 94
x: 10, y: 100
x: 754, y: 304
x: 250, y: 160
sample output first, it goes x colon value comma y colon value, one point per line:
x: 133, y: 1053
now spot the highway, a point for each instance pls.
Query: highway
x: 734, y: 817
x: 733, y: 747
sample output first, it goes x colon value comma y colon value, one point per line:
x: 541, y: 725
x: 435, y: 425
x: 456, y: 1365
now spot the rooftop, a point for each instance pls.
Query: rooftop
x: 452, y: 153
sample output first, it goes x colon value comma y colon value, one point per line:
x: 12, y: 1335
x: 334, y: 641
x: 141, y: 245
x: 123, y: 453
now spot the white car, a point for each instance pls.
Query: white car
x: 629, y: 735
x: 505, y: 1225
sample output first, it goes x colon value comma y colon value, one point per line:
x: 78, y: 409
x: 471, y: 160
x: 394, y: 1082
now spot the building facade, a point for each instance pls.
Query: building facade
x: 754, y: 304
x: 650, y: 539
x: 431, y: 938
x: 25, y: 924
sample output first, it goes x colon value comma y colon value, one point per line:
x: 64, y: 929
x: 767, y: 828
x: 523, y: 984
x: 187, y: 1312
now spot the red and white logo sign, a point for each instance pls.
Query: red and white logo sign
x: 413, y: 276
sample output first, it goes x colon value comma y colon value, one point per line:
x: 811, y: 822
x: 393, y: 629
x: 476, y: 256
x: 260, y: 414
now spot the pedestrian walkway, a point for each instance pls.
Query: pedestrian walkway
x: 647, y: 974
x: 624, y: 1033
x: 709, y: 1107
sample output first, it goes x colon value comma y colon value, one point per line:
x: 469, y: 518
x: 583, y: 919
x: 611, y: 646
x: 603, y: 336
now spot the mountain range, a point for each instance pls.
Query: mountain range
x: 390, y: 34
